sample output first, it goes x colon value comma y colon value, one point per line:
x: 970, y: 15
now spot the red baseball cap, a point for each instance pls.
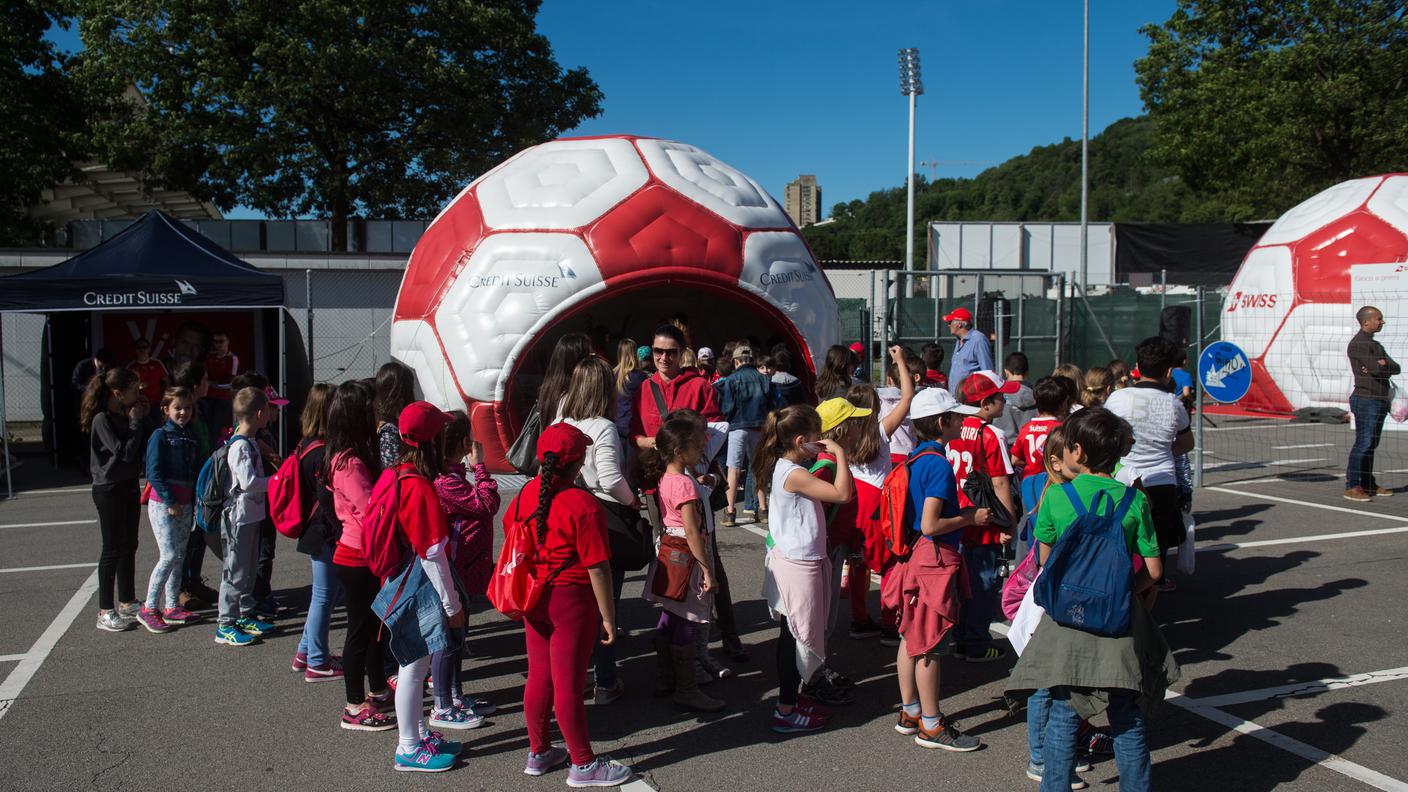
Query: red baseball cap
x: 274, y: 397
x: 420, y: 422
x: 959, y: 315
x: 858, y: 348
x: 565, y: 440
x: 981, y: 384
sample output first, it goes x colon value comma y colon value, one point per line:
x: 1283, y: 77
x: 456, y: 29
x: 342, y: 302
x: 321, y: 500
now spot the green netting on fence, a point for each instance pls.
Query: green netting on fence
x: 1128, y: 317
x: 853, y: 319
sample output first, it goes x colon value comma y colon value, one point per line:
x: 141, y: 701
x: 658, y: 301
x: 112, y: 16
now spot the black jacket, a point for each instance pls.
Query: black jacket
x: 1371, y: 378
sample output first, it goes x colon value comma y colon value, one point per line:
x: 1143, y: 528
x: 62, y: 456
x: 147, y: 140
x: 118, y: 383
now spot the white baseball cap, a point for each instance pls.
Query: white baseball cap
x: 937, y: 401
x: 705, y: 353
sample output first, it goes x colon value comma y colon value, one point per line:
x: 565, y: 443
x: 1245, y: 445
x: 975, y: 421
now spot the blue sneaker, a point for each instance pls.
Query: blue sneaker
x: 438, y: 742
x: 425, y: 759
x: 253, y: 626
x: 231, y: 635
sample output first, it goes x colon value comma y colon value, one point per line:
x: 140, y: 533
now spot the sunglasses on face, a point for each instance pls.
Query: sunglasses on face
x: 659, y: 352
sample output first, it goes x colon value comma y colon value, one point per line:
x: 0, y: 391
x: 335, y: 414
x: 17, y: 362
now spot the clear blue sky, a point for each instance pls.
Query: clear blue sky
x: 783, y: 87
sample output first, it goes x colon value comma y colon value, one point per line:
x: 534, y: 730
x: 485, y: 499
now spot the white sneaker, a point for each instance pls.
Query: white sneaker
x: 112, y: 622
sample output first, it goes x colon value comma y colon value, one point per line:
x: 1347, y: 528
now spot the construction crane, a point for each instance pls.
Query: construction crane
x: 933, y: 165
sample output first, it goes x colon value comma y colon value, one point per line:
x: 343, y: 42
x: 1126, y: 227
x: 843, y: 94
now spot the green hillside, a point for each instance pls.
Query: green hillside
x: 1041, y: 185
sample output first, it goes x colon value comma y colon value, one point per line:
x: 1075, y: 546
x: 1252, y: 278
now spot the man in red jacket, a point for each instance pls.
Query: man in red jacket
x: 671, y: 385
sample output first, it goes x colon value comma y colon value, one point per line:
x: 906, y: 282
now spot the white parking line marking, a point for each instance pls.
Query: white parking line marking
x: 1288, y: 462
x: 1292, y: 746
x: 50, y: 524
x: 1292, y: 501
x: 1283, y: 425
x: 12, y: 658
x: 1302, y: 445
x: 55, y: 491
x: 15, y: 682
x: 1203, y: 548
x: 47, y: 568
x: 1298, y: 689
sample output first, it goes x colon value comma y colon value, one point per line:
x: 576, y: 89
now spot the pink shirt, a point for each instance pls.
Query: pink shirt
x: 676, y: 489
x: 351, y: 490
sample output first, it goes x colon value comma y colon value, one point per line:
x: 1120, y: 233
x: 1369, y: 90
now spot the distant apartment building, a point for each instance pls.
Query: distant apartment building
x: 802, y: 200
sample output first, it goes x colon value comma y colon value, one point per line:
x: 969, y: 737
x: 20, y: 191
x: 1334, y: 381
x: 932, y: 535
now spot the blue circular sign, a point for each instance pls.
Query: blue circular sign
x: 1225, y: 372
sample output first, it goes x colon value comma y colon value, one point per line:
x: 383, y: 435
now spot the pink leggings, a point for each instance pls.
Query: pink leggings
x: 560, y: 630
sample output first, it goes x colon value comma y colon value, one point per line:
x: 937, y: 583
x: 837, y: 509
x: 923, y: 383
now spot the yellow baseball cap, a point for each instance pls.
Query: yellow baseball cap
x: 834, y: 411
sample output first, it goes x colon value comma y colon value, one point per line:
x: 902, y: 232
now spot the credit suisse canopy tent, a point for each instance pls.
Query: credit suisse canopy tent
x: 156, y: 263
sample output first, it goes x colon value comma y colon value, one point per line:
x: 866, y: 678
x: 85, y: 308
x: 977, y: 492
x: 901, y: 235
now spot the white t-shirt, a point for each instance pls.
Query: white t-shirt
x: 1157, y: 417
x: 874, y: 471
x: 602, y: 472
x: 902, y: 441
x: 795, y: 521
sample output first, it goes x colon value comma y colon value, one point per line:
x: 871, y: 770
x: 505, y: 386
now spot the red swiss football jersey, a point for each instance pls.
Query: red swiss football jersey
x: 1031, y: 442
x: 987, y: 453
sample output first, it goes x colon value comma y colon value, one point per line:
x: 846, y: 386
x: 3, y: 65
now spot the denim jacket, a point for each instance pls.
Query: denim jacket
x: 744, y: 397
x: 410, y: 608
x: 171, y: 463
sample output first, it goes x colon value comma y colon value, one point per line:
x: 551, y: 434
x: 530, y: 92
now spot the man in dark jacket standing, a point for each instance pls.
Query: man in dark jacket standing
x: 744, y: 400
x: 1369, y: 402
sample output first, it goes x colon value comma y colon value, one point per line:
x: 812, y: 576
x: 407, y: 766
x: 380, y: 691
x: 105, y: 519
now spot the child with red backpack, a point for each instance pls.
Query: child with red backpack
x: 572, y: 570
x: 406, y: 537
x: 922, y: 515
x: 1096, y: 647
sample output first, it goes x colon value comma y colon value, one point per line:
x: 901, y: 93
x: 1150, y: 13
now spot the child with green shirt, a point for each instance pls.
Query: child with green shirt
x: 1083, y: 673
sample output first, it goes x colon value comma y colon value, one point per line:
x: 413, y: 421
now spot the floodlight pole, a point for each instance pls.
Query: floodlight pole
x: 1085, y: 159
x: 912, y: 86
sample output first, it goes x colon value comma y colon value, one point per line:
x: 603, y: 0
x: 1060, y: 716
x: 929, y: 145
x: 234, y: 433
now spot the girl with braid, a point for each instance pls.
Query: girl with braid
x: 573, y: 565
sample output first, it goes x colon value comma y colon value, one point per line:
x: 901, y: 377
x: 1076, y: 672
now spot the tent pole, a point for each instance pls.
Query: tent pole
x: 4, y: 425
x: 283, y: 380
x: 53, y: 405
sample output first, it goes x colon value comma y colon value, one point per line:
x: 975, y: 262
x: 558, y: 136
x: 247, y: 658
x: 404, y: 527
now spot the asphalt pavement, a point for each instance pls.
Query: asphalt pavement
x: 1290, y: 636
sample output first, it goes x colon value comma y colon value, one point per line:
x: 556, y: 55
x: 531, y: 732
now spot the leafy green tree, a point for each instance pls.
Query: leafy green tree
x: 1259, y: 103
x: 42, y: 111
x: 331, y: 108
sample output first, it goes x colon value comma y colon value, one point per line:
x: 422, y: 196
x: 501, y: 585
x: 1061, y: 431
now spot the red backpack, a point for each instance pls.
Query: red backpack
x: 382, y: 541
x: 894, y: 496
x: 286, y: 495
x: 514, y: 588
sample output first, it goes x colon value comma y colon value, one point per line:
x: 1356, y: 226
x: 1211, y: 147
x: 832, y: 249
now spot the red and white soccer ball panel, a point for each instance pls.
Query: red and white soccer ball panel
x: 1319, y: 210
x: 1390, y: 202
x: 1307, y: 358
x: 562, y: 184
x: 510, y: 285
x: 465, y: 192
x: 413, y: 343
x: 718, y: 187
x: 1259, y: 298
x: 778, y: 267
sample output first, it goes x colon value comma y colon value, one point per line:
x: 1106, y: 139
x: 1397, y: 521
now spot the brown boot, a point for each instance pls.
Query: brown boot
x: 688, y: 696
x: 1357, y: 494
x: 665, y: 667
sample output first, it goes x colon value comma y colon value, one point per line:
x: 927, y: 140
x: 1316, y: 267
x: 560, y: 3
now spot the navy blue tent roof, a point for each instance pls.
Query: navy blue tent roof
x: 156, y: 263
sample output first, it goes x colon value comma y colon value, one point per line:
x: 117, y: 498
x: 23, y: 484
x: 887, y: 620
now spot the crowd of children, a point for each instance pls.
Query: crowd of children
x: 936, y: 493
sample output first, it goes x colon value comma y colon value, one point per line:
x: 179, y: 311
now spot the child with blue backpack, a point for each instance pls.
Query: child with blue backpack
x: 245, y: 507
x: 1096, y: 648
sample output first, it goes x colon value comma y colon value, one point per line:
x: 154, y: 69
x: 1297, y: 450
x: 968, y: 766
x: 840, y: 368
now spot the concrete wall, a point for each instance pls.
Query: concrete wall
x: 1050, y: 247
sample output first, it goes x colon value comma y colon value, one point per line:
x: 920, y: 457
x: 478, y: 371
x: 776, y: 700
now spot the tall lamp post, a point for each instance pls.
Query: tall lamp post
x: 911, y: 85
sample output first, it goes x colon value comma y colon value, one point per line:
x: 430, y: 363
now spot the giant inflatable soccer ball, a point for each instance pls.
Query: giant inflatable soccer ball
x: 609, y: 236
x: 1291, y: 307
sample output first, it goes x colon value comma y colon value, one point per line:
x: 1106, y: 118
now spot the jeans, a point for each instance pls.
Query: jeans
x: 171, y: 532
x: 1369, y: 417
x: 750, y: 493
x: 604, y: 657
x: 974, y: 633
x: 1126, y: 726
x: 326, y: 591
x: 1038, y: 711
x: 119, y: 515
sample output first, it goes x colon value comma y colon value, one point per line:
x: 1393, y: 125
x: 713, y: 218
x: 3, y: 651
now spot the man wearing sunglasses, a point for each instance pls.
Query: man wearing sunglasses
x: 671, y: 387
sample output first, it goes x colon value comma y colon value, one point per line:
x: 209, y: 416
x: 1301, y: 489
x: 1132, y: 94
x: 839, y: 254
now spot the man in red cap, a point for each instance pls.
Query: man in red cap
x: 972, y: 352
x: 982, y: 446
